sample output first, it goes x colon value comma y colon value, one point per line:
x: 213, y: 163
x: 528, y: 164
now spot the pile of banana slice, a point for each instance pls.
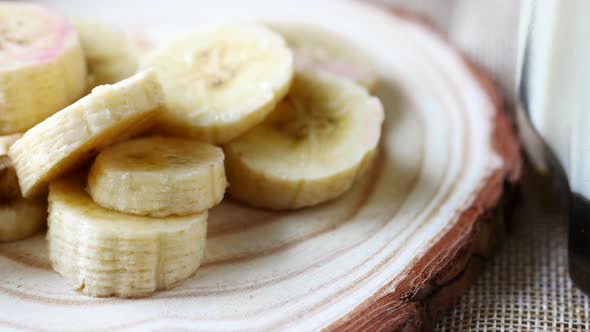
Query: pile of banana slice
x: 124, y: 176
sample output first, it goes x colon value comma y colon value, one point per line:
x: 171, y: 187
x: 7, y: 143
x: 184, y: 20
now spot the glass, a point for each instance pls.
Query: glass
x: 554, y: 95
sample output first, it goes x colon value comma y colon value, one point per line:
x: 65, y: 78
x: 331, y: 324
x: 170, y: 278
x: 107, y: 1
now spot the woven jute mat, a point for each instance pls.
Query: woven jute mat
x: 526, y: 286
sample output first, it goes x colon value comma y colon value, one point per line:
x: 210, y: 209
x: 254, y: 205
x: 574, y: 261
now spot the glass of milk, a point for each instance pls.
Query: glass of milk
x: 556, y: 37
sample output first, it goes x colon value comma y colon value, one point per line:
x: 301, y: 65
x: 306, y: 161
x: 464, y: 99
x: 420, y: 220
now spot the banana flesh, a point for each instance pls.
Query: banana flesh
x: 19, y: 218
x: 296, y: 121
x: 109, y: 53
x: 106, y: 253
x: 310, y: 149
x: 72, y: 136
x: 158, y: 177
x: 9, y: 188
x: 7, y: 141
x: 42, y: 66
x: 222, y: 81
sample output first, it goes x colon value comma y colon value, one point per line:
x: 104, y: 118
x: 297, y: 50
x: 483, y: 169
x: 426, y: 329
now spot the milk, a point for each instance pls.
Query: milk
x: 558, y: 99
x: 559, y: 82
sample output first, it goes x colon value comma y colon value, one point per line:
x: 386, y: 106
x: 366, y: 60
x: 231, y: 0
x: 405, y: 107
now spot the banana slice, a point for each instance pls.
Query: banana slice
x: 318, y: 49
x: 7, y: 141
x: 320, y: 138
x: 9, y: 188
x: 107, y: 253
x: 42, y: 66
x: 72, y: 136
x: 223, y: 81
x: 158, y: 177
x: 108, y: 52
x: 21, y: 218
x: 142, y: 44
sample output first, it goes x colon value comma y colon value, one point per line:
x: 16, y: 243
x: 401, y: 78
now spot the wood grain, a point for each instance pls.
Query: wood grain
x: 392, y: 254
x: 438, y: 279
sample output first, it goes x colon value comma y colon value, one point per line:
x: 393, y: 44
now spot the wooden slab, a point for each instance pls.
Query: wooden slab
x: 392, y: 254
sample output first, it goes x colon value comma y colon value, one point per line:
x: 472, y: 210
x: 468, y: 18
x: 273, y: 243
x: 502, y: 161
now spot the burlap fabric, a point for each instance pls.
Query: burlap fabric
x: 525, y: 287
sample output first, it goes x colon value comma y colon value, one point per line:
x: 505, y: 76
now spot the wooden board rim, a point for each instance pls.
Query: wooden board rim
x: 403, y: 309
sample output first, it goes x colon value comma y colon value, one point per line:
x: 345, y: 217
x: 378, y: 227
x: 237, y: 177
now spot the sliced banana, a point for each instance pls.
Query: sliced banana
x: 42, y: 66
x: 320, y: 138
x: 223, y: 81
x: 318, y: 49
x: 21, y: 218
x: 7, y: 141
x: 72, y: 136
x: 158, y: 177
x: 107, y: 253
x: 9, y: 188
x: 142, y: 44
x: 109, y: 53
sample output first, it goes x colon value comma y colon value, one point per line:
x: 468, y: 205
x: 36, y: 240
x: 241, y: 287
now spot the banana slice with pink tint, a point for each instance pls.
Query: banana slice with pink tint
x: 42, y: 67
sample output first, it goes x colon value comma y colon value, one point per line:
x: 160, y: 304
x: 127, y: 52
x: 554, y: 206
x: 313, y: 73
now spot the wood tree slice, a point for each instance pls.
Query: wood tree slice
x: 392, y: 254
